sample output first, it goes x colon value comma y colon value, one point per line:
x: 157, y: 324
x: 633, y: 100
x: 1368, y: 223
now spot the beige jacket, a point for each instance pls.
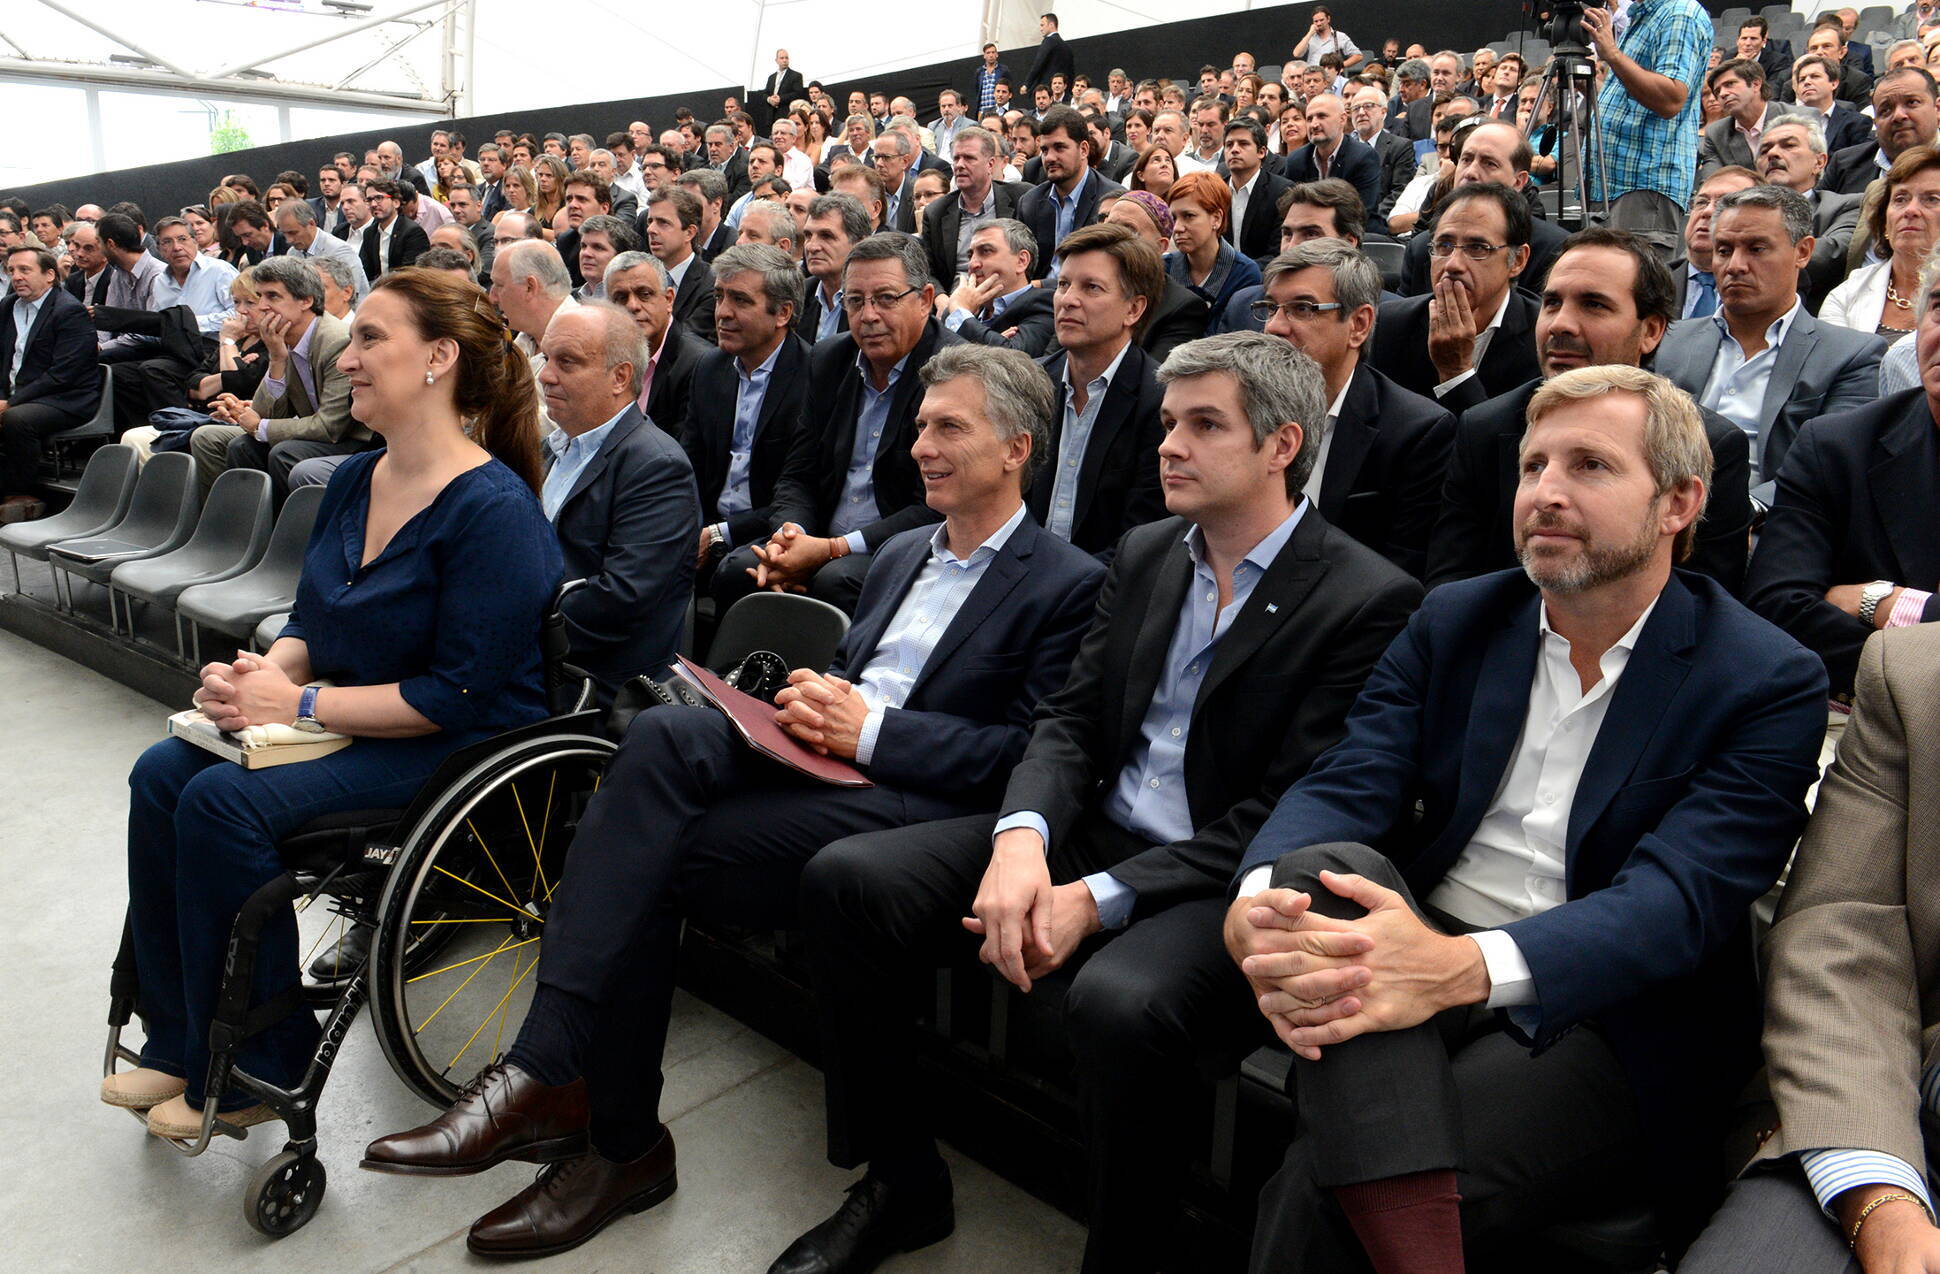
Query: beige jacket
x: 292, y: 415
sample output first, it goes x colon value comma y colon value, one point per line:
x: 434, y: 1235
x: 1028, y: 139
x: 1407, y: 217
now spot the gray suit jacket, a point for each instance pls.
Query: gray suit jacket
x: 1722, y: 145
x: 1820, y: 369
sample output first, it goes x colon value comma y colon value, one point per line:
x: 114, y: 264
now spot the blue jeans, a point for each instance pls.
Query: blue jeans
x: 202, y: 837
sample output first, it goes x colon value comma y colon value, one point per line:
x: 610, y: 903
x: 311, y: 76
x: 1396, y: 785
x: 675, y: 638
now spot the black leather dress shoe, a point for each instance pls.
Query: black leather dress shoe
x: 573, y: 1200
x: 875, y: 1223
x: 347, y: 955
x: 503, y: 1114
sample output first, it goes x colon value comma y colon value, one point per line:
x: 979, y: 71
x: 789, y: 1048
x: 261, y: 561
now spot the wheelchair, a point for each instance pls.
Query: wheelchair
x: 456, y: 888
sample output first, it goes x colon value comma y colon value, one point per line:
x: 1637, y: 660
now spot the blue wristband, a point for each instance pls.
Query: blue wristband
x: 306, y: 705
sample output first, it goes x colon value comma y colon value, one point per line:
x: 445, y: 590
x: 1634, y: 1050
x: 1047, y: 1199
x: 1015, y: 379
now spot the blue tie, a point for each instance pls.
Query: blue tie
x: 1707, y: 297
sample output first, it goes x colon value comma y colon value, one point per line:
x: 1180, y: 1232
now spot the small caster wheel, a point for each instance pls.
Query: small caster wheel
x: 284, y: 1194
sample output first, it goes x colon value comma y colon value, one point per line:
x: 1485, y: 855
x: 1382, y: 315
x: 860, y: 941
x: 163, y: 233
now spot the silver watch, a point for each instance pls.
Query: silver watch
x: 1870, y: 597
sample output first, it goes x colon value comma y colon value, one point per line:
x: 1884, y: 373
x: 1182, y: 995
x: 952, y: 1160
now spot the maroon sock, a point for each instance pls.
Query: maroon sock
x: 1409, y: 1224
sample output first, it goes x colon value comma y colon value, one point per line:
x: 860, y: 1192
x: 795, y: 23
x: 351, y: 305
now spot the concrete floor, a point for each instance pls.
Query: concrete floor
x: 82, y: 1188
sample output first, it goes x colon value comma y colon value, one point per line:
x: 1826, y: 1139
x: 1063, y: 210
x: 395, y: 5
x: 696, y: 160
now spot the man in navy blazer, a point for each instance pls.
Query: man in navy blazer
x: 1064, y: 146
x: 962, y: 629
x: 49, y: 379
x: 1559, y: 794
x: 1334, y: 145
x: 620, y: 494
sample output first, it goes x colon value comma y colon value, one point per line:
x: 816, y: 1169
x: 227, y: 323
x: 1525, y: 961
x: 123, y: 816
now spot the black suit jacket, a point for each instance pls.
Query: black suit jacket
x: 1851, y: 170
x: 1118, y: 475
x: 1847, y: 127
x: 59, y: 369
x: 723, y: 240
x: 1401, y: 351
x: 1259, y: 234
x: 1181, y: 316
x: 736, y: 173
x: 76, y: 286
x: 1855, y: 504
x: 1036, y: 210
x: 694, y: 300
x: 1420, y: 117
x: 1118, y: 162
x: 1031, y: 316
x: 670, y: 399
x: 1545, y: 244
x: 808, y: 320
x: 408, y: 241
x: 1398, y: 168
x: 944, y: 219
x: 1354, y: 163
x: 811, y: 481
x: 1475, y: 533
x: 710, y: 433
x: 787, y: 85
x: 1053, y: 58
x: 1385, y: 463
x: 628, y: 527
x: 1275, y: 697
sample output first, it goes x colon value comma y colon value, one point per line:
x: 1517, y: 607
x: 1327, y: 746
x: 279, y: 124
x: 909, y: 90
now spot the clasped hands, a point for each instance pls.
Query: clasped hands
x: 1321, y: 981
x: 789, y: 559
x: 1029, y: 926
x: 249, y: 691
x: 822, y: 711
x: 231, y: 410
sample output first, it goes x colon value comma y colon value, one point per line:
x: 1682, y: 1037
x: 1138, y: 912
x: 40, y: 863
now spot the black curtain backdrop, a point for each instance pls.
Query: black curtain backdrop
x: 1175, y: 49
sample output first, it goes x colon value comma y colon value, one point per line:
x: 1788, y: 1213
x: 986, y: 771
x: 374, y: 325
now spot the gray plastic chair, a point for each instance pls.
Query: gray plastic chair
x: 1388, y: 258
x: 235, y: 606
x: 270, y: 629
x: 802, y: 630
x: 102, y: 426
x: 99, y: 502
x: 228, y: 540
x: 160, y: 517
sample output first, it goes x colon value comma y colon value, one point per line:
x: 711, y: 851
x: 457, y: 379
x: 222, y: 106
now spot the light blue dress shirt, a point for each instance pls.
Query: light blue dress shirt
x: 1832, y: 1172
x: 939, y: 591
x: 1149, y: 797
x: 1074, y: 435
x: 1067, y: 217
x: 831, y: 318
x: 956, y: 317
x: 570, y: 456
x: 858, y: 506
x: 25, y: 315
x: 205, y: 291
x: 1736, y: 387
x: 750, y: 392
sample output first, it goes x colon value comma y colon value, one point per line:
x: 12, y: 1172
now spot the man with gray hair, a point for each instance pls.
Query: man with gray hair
x: 339, y: 285
x: 835, y: 224
x: 997, y: 304
x: 1792, y: 153
x: 529, y: 286
x: 620, y: 494
x: 296, y: 221
x: 1762, y: 361
x: 1411, y: 109
x: 770, y: 223
x: 638, y: 283
x: 976, y: 197
x: 1240, y: 628
x: 301, y: 409
x: 708, y: 186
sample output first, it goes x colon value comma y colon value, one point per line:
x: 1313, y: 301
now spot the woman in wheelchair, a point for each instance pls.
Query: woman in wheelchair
x: 423, y: 589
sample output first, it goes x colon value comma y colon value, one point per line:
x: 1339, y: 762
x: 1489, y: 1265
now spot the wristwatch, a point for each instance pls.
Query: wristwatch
x: 306, y: 712
x: 1870, y: 597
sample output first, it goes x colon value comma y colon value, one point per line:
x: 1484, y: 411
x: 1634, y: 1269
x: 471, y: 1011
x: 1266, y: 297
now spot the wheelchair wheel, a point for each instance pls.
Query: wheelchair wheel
x: 284, y: 1194
x: 462, y: 914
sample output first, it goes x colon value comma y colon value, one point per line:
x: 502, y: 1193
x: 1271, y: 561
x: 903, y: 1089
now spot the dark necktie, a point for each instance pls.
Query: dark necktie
x: 1707, y: 297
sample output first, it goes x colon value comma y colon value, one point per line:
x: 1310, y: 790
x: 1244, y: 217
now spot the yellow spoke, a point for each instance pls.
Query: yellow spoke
x: 503, y: 1000
x: 538, y: 868
x: 419, y: 1029
x: 477, y: 920
x: 487, y: 850
x: 474, y: 960
x: 333, y: 926
x: 514, y: 908
x: 498, y: 1041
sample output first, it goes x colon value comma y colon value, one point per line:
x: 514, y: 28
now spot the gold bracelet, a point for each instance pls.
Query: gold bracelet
x: 1897, y: 1196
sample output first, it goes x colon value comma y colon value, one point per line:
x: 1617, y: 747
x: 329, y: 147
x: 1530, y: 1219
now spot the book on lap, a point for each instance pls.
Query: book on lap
x: 255, y: 747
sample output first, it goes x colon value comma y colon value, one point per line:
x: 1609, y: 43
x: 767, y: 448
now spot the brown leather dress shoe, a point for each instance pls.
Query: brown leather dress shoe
x: 503, y: 1114
x: 570, y: 1202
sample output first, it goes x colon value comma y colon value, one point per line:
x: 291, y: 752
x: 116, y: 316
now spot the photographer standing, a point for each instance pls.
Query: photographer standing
x: 1650, y: 111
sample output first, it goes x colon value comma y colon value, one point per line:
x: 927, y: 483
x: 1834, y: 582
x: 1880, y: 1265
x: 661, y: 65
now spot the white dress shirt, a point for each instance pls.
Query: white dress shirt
x: 1326, y: 440
x: 1482, y: 339
x: 1242, y: 197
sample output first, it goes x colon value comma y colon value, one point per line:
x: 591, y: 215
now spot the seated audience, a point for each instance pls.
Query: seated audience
x: 1791, y: 153
x: 997, y: 304
x: 673, y: 222
x: 1471, y: 336
x: 1557, y: 798
x: 978, y: 197
x: 1312, y: 210
x: 1121, y: 826
x: 1694, y: 282
x: 1740, y: 88
x: 1813, y: 81
x: 1381, y: 451
x: 296, y: 221
x: 596, y: 241
x: 1607, y: 303
x: 49, y: 380
x: 123, y: 317
x: 302, y: 408
x: 1069, y: 197
x: 1761, y: 361
x: 1254, y: 228
x: 1486, y: 153
x: 620, y: 494
x: 1005, y: 604
x: 1332, y: 150
x: 1903, y: 222
x: 529, y: 286
x: 768, y: 222
x: 1202, y: 259
x: 436, y: 646
x: 391, y: 239
x: 1153, y: 170
x: 835, y: 224
x: 1905, y: 114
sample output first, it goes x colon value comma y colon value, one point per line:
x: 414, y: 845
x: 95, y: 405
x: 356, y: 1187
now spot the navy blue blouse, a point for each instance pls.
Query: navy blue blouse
x: 450, y: 610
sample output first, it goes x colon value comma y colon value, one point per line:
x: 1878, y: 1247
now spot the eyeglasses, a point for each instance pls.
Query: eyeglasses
x: 1298, y: 311
x: 881, y: 300
x: 1474, y: 250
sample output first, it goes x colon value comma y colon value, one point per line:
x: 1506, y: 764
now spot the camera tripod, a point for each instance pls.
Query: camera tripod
x: 1569, y: 85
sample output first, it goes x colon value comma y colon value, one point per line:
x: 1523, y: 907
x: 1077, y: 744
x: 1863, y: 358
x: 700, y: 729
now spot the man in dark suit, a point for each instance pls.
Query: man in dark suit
x: 895, y: 163
x: 1607, y: 301
x: 728, y: 159
x: 963, y: 628
x: 1852, y: 543
x: 1111, y: 158
x: 1813, y: 82
x: 850, y: 482
x: 1145, y: 777
x: 747, y: 400
x: 1255, y: 229
x: 1740, y: 88
x: 1558, y: 796
x: 87, y: 265
x: 1791, y: 153
x: 1068, y: 197
x: 1761, y: 240
x: 783, y: 85
x: 1053, y: 58
x: 639, y: 284
x: 1410, y: 108
x: 1334, y: 151
x: 49, y: 379
x: 1828, y: 40
x: 392, y: 240
x: 997, y: 303
x: 1904, y: 114
x: 1384, y: 450
x: 1396, y: 153
x: 620, y: 495
x: 977, y: 195
x: 1472, y: 336
x: 673, y: 225
x: 1491, y: 152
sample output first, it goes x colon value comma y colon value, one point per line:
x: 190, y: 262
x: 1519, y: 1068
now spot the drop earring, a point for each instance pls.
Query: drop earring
x: 429, y: 379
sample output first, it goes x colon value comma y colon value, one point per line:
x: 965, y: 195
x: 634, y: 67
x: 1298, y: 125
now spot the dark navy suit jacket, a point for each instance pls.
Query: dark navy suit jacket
x: 1007, y: 648
x: 1692, y: 798
x: 59, y: 369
